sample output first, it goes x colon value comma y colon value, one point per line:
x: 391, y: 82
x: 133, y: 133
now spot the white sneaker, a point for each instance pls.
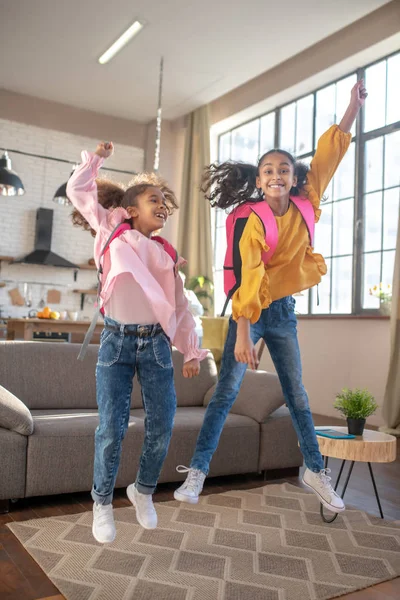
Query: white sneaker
x: 191, y: 489
x: 103, y: 527
x: 319, y: 483
x: 145, y: 512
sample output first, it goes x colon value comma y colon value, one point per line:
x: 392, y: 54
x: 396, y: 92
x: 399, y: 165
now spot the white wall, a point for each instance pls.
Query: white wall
x: 338, y: 353
x: 41, y: 179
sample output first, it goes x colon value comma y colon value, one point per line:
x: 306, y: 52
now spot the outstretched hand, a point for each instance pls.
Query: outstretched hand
x: 357, y: 99
x: 358, y: 94
x: 191, y: 368
x: 245, y: 352
x: 104, y: 149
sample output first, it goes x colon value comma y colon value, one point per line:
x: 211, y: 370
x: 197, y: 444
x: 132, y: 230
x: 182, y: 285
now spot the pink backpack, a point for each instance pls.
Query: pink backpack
x: 117, y: 231
x: 235, y: 224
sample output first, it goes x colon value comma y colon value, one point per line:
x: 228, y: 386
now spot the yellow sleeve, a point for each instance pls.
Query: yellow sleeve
x: 332, y: 146
x: 246, y: 300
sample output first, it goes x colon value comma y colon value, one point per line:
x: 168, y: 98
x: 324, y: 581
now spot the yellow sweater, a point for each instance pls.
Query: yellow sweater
x: 294, y: 266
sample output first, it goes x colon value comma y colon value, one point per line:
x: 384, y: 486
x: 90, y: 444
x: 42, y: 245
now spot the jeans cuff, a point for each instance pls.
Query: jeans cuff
x: 145, y: 489
x: 315, y: 468
x: 199, y: 467
x: 103, y: 500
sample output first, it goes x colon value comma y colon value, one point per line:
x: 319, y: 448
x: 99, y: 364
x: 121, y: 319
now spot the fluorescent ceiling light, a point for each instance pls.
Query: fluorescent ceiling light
x: 121, y: 42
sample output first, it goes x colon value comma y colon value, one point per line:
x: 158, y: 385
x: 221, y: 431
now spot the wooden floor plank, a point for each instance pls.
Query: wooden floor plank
x: 25, y: 564
x: 13, y: 584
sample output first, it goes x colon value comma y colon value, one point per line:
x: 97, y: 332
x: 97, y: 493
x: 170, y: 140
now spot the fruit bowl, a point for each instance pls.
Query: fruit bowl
x: 48, y: 314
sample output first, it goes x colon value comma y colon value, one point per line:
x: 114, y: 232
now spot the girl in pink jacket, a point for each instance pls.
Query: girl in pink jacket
x: 145, y: 310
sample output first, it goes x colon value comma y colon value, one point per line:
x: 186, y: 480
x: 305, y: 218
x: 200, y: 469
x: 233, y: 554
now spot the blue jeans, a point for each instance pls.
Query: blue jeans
x: 278, y: 327
x: 122, y: 354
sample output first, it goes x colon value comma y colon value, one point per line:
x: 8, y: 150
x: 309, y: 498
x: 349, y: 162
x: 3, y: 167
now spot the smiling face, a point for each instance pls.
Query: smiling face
x: 276, y: 175
x: 149, y: 211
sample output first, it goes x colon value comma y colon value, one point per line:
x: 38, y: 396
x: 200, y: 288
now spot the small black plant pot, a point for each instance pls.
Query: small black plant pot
x: 355, y: 426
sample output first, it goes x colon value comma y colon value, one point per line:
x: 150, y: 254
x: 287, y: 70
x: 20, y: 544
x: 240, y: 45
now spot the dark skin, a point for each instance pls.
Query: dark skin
x: 149, y: 214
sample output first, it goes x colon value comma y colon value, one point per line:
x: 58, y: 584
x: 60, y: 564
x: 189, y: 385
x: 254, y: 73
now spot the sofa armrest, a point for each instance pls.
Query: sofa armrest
x: 14, y: 414
x: 259, y: 396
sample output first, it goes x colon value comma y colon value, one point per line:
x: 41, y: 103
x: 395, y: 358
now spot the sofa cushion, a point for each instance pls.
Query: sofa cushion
x: 260, y: 394
x: 61, y: 452
x: 54, y: 378
x: 279, y: 448
x: 237, y: 451
x: 14, y: 414
x: 189, y: 392
x: 52, y: 375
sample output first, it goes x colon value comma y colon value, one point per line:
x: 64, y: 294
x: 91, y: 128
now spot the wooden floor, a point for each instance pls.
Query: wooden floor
x: 22, y: 579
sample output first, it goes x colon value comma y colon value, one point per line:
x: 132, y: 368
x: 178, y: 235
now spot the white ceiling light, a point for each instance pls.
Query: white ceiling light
x: 121, y: 42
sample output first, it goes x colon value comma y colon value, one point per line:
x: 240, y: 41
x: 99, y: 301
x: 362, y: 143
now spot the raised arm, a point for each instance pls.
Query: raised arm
x: 357, y: 99
x: 332, y: 146
x: 82, y: 188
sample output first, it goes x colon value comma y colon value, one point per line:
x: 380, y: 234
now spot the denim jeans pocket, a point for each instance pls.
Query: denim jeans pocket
x: 291, y: 303
x: 110, y: 348
x: 162, y: 351
x: 287, y: 312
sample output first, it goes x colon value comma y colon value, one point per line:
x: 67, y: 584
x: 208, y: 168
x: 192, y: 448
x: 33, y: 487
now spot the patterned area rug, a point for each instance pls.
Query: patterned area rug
x: 263, y: 544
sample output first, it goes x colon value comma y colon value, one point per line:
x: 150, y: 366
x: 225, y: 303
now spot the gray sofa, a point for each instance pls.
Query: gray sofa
x: 59, y: 391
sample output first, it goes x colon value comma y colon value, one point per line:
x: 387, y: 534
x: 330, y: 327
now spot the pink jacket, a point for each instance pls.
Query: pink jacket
x: 134, y: 253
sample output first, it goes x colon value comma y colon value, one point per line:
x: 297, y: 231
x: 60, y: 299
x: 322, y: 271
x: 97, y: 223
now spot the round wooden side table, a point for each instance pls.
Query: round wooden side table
x: 372, y: 446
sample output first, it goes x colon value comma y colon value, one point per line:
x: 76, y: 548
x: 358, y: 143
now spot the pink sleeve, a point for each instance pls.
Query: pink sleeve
x: 186, y: 340
x: 82, y: 189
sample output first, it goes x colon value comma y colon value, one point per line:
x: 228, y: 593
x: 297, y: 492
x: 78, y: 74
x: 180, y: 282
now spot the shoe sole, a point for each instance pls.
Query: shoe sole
x: 333, y: 509
x: 139, y: 520
x: 100, y: 541
x: 182, y: 498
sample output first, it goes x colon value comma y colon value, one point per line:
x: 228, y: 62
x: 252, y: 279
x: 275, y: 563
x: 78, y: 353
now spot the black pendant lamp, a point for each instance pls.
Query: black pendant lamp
x: 10, y: 183
x: 60, y: 197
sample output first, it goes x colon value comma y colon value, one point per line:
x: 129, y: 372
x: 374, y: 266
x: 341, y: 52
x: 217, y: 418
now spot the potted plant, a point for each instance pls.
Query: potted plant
x: 384, y: 294
x: 356, y: 405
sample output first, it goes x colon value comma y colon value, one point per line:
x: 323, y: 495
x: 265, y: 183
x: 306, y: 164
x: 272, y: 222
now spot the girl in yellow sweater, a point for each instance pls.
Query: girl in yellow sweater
x: 263, y: 306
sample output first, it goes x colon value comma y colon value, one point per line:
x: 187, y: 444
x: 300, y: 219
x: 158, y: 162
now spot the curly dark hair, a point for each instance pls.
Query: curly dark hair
x: 112, y: 195
x: 232, y: 183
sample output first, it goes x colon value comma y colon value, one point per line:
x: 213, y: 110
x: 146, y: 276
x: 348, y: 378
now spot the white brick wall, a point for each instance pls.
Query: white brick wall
x: 41, y: 178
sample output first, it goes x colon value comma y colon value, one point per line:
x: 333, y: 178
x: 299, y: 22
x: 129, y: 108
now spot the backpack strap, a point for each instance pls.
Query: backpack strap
x: 169, y: 249
x: 307, y: 212
x: 267, y: 218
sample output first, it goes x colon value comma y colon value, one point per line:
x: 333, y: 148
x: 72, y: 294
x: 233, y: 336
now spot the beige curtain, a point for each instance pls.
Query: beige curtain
x: 194, y: 233
x: 391, y: 403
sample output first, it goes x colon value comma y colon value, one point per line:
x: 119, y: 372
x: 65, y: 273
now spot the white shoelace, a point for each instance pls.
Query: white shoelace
x: 193, y: 480
x: 325, y: 481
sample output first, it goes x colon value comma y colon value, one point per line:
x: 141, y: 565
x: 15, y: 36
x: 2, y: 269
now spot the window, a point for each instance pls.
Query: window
x: 381, y: 209
x: 357, y: 230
